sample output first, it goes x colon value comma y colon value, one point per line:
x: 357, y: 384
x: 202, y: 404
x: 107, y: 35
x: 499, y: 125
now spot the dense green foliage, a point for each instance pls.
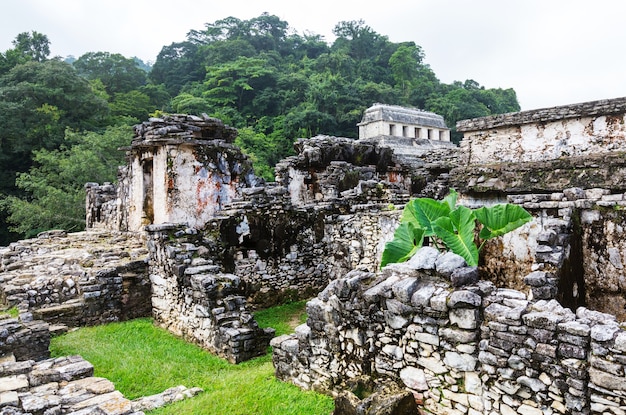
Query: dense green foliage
x: 141, y: 359
x: 257, y: 75
x: 452, y: 226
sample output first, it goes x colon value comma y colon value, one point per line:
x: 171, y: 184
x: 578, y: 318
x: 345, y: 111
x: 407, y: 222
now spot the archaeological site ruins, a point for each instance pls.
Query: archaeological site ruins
x: 192, y: 238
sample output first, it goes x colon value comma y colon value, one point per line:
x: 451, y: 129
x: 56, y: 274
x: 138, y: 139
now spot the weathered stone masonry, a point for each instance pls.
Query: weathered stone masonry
x: 462, y: 349
x: 328, y: 212
x: 465, y: 346
x: 221, y: 240
x: 78, y: 279
x: 194, y: 299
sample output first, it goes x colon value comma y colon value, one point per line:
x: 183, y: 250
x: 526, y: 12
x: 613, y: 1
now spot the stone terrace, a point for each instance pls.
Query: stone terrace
x: 77, y: 279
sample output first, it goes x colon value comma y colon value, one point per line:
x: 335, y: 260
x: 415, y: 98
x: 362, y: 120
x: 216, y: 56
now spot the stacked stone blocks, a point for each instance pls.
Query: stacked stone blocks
x: 461, y: 345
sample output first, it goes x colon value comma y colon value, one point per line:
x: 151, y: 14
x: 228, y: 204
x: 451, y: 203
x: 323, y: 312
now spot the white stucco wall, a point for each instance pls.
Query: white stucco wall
x: 183, y: 189
x: 543, y: 141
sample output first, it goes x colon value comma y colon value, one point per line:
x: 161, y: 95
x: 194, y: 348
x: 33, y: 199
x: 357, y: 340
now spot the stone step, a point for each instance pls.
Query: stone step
x: 68, y: 314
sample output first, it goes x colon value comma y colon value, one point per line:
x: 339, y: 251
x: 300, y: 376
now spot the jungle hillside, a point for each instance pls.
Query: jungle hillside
x: 63, y: 119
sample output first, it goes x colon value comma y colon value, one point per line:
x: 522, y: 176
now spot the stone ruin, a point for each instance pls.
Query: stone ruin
x: 536, y: 328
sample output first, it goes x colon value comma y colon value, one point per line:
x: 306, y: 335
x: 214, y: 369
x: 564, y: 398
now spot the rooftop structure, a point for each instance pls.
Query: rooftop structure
x: 396, y: 121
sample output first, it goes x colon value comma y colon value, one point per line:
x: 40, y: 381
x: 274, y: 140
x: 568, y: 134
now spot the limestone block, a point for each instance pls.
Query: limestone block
x: 456, y: 397
x: 14, y: 383
x: 175, y: 394
x: 507, y: 410
x: 575, y: 328
x: 542, y: 320
x: 414, y: 378
x: 464, y: 276
x: 455, y: 335
x: 9, y: 398
x: 604, y: 332
x: 448, y: 262
x: 571, y: 351
x: 620, y: 342
x: 574, y: 193
x: 421, y: 297
x: 465, y: 318
x: 433, y: 364
x: 404, y: 289
x: 536, y: 279
x: 534, y: 384
x: 460, y: 361
x: 39, y: 402
x: 606, y: 380
x: 427, y: 338
x: 425, y: 258
x: 464, y: 298
x: 94, y: 385
x: 395, y: 321
x: 503, y: 314
x: 438, y: 301
x: 112, y: 403
x: 529, y: 410
x: 473, y: 385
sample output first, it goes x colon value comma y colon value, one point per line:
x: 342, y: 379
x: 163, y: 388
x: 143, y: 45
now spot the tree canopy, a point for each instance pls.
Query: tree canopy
x: 275, y: 85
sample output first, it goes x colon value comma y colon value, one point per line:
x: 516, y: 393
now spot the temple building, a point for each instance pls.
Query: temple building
x: 396, y: 121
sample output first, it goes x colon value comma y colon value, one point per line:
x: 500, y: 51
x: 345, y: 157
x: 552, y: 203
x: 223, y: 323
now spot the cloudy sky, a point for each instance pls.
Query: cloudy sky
x: 552, y: 52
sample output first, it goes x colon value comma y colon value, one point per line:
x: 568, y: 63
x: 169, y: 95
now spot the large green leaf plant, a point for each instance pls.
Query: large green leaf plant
x: 451, y: 226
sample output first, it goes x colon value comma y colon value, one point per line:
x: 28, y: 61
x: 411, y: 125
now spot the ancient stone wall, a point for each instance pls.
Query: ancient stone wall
x: 546, y: 134
x: 78, y: 279
x: 23, y: 338
x: 461, y: 345
x: 565, y: 165
x: 194, y: 299
x: 58, y: 386
x: 284, y: 254
x: 66, y: 385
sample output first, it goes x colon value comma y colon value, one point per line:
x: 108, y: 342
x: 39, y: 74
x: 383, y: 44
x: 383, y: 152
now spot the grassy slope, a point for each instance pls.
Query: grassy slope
x: 142, y: 359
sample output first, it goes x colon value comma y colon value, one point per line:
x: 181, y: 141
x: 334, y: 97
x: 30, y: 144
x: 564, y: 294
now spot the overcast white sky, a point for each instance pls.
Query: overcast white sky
x: 552, y: 52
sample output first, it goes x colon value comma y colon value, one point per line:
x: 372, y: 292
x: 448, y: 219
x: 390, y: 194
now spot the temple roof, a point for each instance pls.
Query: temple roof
x: 403, y: 115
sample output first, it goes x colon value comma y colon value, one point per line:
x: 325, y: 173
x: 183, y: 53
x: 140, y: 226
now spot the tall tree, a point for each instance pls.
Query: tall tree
x: 177, y: 65
x: 54, y: 186
x: 117, y: 73
x: 34, y: 45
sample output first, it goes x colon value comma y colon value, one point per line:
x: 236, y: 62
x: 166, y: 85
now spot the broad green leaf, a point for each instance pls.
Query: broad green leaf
x: 457, y: 232
x: 500, y: 219
x: 424, y: 212
x: 406, y: 240
x: 451, y: 199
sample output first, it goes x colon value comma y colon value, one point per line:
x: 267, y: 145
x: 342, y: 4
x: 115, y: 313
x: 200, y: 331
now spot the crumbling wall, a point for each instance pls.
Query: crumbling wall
x: 604, y: 250
x: 288, y: 254
x: 566, y: 166
x: 545, y: 134
x: 461, y: 345
x: 194, y: 299
x: 23, y: 338
x: 78, y: 279
x: 181, y: 168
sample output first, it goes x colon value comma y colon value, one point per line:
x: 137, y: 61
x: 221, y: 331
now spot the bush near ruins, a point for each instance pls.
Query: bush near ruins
x: 451, y: 226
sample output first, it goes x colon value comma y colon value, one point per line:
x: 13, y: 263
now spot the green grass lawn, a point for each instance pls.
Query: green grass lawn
x: 141, y: 359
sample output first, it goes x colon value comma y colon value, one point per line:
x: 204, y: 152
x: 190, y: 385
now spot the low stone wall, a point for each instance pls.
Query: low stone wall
x: 101, y: 206
x: 78, y: 279
x: 461, y: 345
x: 192, y: 298
x: 58, y: 386
x: 24, y: 338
